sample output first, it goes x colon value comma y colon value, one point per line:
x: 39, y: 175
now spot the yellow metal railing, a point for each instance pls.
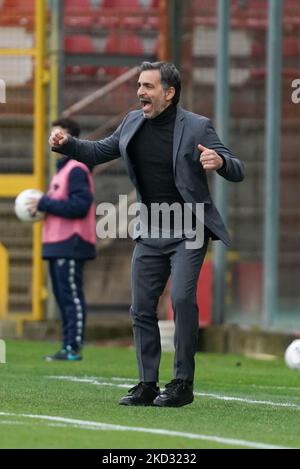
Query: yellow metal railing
x: 39, y: 154
x: 13, y: 51
x: 12, y: 184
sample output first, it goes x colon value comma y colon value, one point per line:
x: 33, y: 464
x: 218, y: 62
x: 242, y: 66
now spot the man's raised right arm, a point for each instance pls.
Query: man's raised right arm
x: 90, y: 153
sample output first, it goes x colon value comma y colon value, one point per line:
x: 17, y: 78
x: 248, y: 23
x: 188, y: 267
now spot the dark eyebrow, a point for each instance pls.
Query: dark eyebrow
x: 145, y: 83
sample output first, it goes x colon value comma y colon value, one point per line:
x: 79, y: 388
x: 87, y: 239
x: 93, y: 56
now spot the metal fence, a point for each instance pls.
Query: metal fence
x: 248, y: 72
x: 22, y: 118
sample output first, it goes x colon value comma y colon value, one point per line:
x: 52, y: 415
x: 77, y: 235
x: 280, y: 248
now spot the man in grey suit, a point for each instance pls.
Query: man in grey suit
x: 167, y: 151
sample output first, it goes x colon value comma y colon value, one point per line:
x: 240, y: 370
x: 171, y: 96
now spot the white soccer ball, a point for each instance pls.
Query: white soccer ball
x: 292, y: 355
x: 22, y: 210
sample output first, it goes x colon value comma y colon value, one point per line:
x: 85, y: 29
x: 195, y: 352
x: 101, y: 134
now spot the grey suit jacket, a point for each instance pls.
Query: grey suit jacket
x: 190, y: 178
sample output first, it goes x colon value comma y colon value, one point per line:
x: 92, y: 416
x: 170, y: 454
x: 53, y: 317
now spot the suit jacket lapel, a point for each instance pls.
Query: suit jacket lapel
x: 135, y: 127
x: 178, y: 131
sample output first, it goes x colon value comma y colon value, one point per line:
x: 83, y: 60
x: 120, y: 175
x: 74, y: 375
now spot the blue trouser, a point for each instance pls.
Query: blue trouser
x: 67, y: 283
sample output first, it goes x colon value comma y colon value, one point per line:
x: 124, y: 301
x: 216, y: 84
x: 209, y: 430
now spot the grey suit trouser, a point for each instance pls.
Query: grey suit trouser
x: 152, y: 263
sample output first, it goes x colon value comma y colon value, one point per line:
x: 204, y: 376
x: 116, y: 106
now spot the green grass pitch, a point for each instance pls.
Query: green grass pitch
x: 239, y: 402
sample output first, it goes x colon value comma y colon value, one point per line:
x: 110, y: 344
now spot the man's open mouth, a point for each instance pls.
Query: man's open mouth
x: 146, y: 105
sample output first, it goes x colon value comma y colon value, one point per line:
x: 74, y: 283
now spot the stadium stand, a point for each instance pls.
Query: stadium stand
x: 17, y: 13
x: 101, y: 27
x: 78, y: 15
x: 15, y: 7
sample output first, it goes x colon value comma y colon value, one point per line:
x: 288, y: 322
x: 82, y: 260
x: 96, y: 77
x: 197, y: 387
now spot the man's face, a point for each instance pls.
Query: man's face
x: 153, y: 97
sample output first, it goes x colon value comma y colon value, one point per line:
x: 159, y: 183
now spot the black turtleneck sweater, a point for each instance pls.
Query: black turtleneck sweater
x: 151, y: 153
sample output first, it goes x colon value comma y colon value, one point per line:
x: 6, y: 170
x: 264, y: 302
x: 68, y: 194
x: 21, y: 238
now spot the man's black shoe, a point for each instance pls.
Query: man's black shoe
x: 141, y: 394
x: 176, y: 394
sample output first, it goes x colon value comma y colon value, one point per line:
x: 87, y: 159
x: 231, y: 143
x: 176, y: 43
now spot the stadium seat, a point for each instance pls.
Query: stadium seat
x: 16, y: 6
x: 130, y: 3
x: 107, y: 22
x: 253, y: 4
x: 128, y: 43
x: 78, y: 14
x: 154, y: 4
x: 125, y: 14
x: 258, y: 50
x: 152, y: 23
x: 17, y: 13
x: 79, y: 44
x: 73, y: 5
x: 78, y: 22
x: 119, y: 4
x: 290, y: 48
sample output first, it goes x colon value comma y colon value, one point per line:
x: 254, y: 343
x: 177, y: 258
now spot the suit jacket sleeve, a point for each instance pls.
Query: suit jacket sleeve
x: 92, y: 153
x: 232, y: 169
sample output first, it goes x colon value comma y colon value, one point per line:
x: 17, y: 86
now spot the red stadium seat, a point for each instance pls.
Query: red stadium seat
x: 17, y: 13
x: 72, y: 6
x: 16, y: 6
x: 291, y: 47
x: 152, y: 22
x: 107, y: 21
x: 128, y: 43
x: 130, y: 3
x: 125, y: 14
x: 78, y: 14
x: 132, y: 22
x: 119, y: 4
x: 258, y: 49
x: 153, y: 3
x: 79, y: 44
x: 77, y: 22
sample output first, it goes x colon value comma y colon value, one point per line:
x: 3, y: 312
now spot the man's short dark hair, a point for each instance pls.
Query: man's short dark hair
x: 69, y: 124
x: 169, y: 75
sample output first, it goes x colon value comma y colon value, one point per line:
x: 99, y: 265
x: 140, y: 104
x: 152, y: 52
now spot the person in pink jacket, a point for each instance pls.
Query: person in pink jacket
x: 69, y: 238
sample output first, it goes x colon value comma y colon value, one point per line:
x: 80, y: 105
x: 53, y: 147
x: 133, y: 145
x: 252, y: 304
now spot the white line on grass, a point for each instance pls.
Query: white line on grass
x: 284, y: 388
x: 248, y: 401
x: 11, y: 422
x: 90, y: 425
x: 94, y: 381
x: 98, y: 382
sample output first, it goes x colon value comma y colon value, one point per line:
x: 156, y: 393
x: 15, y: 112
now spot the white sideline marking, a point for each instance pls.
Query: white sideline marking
x: 90, y: 425
x: 11, y: 422
x: 98, y: 382
x: 286, y: 388
x: 115, y: 378
x: 248, y: 401
x: 94, y: 381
